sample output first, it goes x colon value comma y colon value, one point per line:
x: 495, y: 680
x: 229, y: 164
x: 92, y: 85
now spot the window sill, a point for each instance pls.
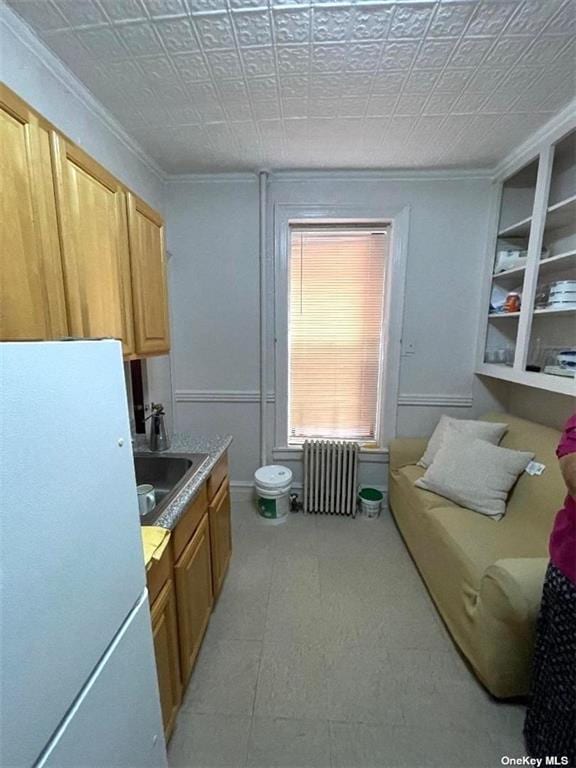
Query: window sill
x: 367, y: 455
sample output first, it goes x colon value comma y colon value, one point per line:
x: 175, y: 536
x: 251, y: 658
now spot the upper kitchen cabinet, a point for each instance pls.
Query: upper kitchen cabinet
x: 147, y: 255
x: 31, y: 288
x: 94, y: 237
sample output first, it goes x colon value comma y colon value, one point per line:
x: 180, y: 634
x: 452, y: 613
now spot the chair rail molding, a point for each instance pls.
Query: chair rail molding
x: 436, y: 400
x: 220, y: 396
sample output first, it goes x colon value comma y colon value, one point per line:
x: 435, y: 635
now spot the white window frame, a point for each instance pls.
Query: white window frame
x: 392, y: 317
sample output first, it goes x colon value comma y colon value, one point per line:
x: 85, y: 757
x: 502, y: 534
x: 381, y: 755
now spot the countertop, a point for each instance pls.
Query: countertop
x: 183, y: 443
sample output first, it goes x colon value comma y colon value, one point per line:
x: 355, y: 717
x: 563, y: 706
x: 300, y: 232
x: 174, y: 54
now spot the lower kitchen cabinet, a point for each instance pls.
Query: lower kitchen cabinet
x: 184, y: 577
x: 165, y: 633
x: 193, y: 577
x: 220, y: 535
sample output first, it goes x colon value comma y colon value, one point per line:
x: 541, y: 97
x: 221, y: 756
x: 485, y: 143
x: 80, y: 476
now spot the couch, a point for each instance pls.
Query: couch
x: 485, y: 576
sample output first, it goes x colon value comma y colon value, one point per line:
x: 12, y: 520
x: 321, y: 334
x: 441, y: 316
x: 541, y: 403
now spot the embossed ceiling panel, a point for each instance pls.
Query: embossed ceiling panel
x: 233, y: 85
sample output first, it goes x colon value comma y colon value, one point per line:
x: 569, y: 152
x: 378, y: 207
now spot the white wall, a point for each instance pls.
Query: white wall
x: 213, y: 238
x: 547, y: 408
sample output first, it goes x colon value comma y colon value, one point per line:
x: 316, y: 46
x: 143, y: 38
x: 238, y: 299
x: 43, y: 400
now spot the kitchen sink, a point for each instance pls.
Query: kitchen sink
x: 167, y: 473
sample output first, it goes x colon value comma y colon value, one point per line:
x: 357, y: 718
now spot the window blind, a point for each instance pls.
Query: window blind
x: 336, y: 294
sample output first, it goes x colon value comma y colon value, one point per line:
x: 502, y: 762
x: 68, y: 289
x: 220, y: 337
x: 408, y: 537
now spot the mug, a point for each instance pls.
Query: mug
x: 146, y: 498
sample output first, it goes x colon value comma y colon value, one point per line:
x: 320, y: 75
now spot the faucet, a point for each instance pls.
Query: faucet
x: 158, y: 437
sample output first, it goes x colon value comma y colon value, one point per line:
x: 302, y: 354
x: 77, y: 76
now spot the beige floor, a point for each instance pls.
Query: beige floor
x: 325, y: 650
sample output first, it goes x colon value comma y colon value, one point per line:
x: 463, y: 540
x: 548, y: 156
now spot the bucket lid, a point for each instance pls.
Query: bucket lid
x: 371, y: 494
x: 273, y: 476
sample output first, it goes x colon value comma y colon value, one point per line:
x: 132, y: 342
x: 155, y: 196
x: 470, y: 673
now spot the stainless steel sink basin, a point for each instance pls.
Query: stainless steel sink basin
x: 167, y: 473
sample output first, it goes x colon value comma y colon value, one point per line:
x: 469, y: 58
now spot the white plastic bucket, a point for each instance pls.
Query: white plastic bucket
x: 370, y: 502
x: 273, y: 493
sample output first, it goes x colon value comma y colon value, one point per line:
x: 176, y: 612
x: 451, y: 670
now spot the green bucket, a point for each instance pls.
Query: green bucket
x: 370, y: 502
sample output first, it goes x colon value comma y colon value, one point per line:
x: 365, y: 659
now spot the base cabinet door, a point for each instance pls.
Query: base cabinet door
x: 220, y: 535
x: 32, y: 304
x: 165, y: 633
x: 193, y: 575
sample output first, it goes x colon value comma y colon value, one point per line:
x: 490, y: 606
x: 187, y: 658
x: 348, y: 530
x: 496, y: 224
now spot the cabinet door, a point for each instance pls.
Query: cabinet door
x: 32, y: 303
x: 193, y: 576
x: 165, y: 632
x: 220, y: 535
x: 148, y: 261
x: 92, y: 213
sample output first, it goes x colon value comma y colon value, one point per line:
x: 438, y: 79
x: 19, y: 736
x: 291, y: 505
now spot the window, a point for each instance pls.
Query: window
x: 335, y: 310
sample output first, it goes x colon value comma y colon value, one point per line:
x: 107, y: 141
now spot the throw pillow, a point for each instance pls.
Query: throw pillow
x: 493, y: 432
x: 475, y: 474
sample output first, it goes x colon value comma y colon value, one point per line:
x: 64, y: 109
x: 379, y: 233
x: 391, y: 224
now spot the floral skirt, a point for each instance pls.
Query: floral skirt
x: 550, y: 727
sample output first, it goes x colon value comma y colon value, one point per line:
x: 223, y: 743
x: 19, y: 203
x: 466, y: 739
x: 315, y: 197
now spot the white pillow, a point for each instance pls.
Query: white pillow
x: 474, y: 473
x: 482, y: 430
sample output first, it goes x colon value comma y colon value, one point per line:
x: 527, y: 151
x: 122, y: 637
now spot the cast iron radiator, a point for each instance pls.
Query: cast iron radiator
x: 330, y: 477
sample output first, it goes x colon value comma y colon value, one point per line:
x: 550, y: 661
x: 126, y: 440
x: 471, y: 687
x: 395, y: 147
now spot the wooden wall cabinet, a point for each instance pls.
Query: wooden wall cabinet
x: 32, y: 304
x: 193, y: 576
x: 81, y: 255
x: 149, y: 290
x: 220, y: 535
x: 94, y: 238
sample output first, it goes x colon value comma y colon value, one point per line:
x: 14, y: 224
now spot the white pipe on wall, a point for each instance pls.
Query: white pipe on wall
x: 263, y: 182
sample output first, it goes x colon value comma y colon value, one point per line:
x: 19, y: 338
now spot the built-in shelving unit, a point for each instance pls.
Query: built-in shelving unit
x: 535, y: 257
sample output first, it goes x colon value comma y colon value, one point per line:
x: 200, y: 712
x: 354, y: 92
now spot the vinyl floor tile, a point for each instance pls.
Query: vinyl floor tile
x: 209, y: 741
x: 325, y: 649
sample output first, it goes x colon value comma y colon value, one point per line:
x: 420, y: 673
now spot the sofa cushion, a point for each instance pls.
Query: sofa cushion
x: 482, y: 430
x: 535, y: 499
x: 419, y: 499
x: 474, y: 473
x: 474, y: 542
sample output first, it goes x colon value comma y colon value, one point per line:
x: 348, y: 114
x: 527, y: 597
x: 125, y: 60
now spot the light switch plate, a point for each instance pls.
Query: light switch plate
x: 408, y: 348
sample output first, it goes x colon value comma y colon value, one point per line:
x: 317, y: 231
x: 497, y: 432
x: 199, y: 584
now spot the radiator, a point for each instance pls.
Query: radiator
x: 330, y: 477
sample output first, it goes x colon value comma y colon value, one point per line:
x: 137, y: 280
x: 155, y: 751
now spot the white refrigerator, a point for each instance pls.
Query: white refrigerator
x: 78, y: 685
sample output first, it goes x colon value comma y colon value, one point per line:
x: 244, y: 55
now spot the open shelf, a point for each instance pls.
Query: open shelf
x: 498, y: 315
x: 509, y: 272
x: 558, y: 263
x: 519, y: 229
x: 562, y: 214
x: 559, y: 384
x: 555, y: 311
x: 547, y: 268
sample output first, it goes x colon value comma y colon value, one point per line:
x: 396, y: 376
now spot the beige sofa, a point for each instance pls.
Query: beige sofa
x: 485, y: 576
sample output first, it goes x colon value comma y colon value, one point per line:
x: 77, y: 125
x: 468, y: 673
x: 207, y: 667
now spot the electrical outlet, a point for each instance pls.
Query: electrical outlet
x: 408, y: 348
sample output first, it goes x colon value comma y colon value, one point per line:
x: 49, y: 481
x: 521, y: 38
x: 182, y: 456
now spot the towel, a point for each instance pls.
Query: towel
x: 154, y: 542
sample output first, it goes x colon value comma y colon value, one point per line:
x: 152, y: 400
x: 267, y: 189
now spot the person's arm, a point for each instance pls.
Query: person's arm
x: 568, y: 469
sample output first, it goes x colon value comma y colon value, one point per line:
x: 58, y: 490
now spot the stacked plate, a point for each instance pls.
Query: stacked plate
x: 562, y: 294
